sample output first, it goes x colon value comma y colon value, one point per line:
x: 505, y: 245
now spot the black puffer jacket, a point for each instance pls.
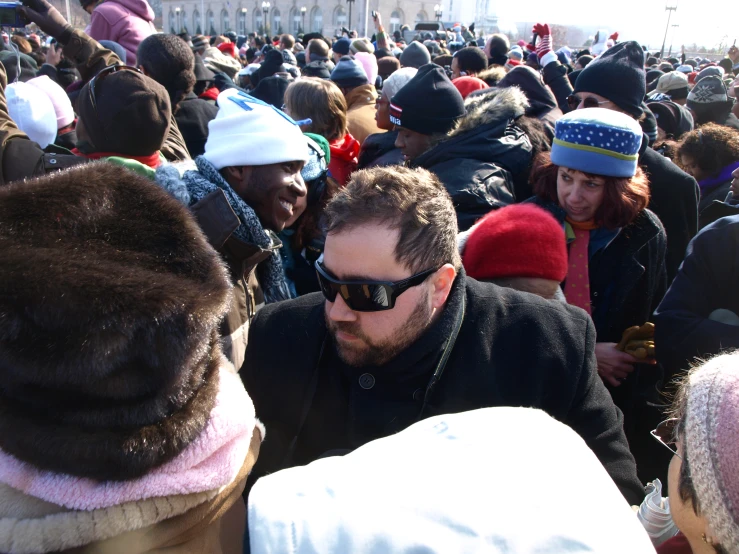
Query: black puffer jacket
x: 484, y: 157
x: 543, y: 104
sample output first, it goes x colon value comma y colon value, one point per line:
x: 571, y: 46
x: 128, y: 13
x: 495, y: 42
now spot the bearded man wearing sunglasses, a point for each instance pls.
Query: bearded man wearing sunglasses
x: 616, y: 80
x: 399, y: 333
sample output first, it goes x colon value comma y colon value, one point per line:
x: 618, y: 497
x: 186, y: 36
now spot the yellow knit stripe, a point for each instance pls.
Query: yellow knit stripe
x: 597, y: 150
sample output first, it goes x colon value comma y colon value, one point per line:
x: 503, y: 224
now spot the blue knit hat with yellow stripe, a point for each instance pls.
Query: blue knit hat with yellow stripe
x: 598, y: 141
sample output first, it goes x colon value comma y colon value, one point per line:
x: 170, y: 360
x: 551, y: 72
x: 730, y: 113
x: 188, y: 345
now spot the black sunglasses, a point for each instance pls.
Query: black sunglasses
x: 665, y: 434
x: 100, y: 76
x: 367, y: 296
x: 573, y: 101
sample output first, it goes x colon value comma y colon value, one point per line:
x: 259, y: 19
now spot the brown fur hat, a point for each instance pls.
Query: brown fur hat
x: 110, y: 301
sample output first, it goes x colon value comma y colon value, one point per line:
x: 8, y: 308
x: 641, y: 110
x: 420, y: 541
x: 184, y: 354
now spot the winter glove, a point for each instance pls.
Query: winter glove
x: 642, y: 349
x: 638, y: 341
x: 48, y: 19
x: 614, y: 36
x: 472, y: 27
x: 544, y: 47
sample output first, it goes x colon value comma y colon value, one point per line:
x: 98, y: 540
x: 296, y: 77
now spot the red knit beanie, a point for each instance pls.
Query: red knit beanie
x: 522, y: 240
x: 466, y: 85
x: 228, y: 48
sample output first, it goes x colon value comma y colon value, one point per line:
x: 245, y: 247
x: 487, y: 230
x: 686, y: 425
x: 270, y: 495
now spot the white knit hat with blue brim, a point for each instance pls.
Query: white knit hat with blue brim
x: 247, y: 131
x: 598, y: 141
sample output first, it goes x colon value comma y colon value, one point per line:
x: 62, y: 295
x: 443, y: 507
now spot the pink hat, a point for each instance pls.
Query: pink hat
x: 59, y: 98
x: 369, y: 63
x: 712, y: 443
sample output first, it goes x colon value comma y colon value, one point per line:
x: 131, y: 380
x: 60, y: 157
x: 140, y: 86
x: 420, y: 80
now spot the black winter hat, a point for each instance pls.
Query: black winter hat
x: 618, y: 75
x: 109, y: 348
x: 273, y: 63
x: 271, y: 90
x: 673, y: 119
x: 29, y: 67
x: 131, y: 117
x: 653, y: 76
x: 429, y: 103
x: 649, y: 124
x: 202, y: 73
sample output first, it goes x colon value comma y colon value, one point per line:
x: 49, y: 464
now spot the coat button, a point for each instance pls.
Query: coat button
x: 418, y: 395
x: 366, y: 381
x: 52, y: 161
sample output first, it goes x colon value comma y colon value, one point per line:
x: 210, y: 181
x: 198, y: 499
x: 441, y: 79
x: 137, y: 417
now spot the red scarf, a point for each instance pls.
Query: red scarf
x: 210, y: 94
x: 152, y: 161
x: 577, y: 286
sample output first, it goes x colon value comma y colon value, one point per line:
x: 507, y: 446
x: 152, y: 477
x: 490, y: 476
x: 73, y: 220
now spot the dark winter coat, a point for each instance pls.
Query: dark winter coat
x: 674, y: 200
x: 481, y: 160
x: 627, y: 277
x: 218, y: 222
x: 513, y: 349
x: 707, y: 281
x: 193, y: 116
x: 627, y: 282
x: 555, y: 77
x: 379, y: 150
x: 708, y: 197
x: 542, y: 103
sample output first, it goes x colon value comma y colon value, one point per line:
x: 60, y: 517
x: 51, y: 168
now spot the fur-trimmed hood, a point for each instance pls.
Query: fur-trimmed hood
x: 487, y: 132
x: 491, y: 106
x: 109, y: 311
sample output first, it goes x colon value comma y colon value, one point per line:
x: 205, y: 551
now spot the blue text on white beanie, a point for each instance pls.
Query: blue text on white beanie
x: 247, y: 131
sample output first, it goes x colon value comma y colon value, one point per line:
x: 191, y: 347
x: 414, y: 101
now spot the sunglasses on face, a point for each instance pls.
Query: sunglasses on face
x: 367, y: 296
x: 100, y: 76
x: 573, y: 101
x: 665, y: 434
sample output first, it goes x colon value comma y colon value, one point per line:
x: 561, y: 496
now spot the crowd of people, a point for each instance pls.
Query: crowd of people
x: 438, y: 294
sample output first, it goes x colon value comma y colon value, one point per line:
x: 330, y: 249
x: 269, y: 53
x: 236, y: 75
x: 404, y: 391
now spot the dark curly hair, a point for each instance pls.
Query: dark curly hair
x: 168, y: 60
x: 712, y: 147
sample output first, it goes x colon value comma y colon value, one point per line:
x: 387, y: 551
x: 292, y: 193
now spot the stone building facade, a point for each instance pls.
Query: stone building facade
x: 292, y: 16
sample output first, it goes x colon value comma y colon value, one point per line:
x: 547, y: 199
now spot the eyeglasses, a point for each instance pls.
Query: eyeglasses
x: 573, y: 101
x: 367, y: 296
x: 100, y: 76
x: 665, y: 434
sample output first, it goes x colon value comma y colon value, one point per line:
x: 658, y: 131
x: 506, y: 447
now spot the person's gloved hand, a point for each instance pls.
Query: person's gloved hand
x: 639, y: 342
x: 614, y: 36
x: 642, y: 349
x: 48, y: 19
x: 544, y: 46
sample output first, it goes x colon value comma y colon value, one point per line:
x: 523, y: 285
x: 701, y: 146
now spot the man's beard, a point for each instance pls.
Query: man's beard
x: 378, y: 353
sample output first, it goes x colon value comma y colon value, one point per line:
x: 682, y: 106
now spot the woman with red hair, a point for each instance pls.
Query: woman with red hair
x: 592, y: 184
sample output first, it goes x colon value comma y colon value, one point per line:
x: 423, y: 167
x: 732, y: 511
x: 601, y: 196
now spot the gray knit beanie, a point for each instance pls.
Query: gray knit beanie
x: 415, y: 55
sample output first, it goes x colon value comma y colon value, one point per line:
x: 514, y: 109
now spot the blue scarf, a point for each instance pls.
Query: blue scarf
x: 196, y: 185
